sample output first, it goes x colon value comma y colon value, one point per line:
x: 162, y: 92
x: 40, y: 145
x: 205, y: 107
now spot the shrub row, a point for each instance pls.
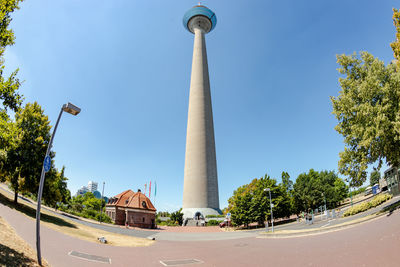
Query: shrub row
x: 167, y: 223
x: 212, y: 223
x: 367, y: 205
x: 215, y: 216
x: 89, y: 214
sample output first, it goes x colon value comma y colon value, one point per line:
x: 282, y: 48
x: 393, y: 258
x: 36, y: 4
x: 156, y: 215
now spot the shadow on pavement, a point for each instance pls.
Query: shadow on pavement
x: 392, y: 207
x: 11, y: 257
x: 31, y: 212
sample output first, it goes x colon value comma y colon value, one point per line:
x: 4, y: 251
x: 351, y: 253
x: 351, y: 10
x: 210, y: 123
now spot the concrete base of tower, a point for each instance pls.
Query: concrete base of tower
x: 197, y: 213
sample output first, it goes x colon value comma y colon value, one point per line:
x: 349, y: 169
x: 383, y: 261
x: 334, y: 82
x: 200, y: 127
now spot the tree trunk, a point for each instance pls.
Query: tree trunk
x: 15, y: 197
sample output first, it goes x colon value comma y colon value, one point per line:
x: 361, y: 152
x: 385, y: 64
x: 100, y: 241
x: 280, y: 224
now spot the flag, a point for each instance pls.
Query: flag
x: 150, y: 189
x: 145, y: 188
x: 155, y: 189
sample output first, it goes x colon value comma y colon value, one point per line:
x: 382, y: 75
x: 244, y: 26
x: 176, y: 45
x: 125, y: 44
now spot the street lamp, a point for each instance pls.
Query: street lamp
x: 322, y: 194
x: 271, y: 206
x: 71, y: 109
x: 101, y: 206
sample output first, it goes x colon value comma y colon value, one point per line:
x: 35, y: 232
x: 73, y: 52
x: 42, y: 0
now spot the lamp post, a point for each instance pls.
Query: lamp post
x: 270, y: 203
x: 324, y: 203
x: 71, y: 109
x: 351, y: 197
x: 101, y: 205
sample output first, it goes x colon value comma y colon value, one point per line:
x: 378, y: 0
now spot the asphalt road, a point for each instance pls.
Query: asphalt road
x: 373, y: 243
x: 321, y: 223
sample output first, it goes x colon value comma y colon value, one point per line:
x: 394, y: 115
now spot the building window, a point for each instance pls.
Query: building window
x: 143, y: 219
x: 144, y: 204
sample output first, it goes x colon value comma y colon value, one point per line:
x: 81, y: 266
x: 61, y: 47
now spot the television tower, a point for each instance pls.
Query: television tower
x: 200, y: 190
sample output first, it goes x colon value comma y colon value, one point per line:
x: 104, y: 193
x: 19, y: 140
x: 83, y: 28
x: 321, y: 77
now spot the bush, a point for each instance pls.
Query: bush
x: 168, y: 223
x: 212, y: 223
x: 357, y: 191
x: 367, y: 205
x: 177, y: 216
x: 215, y: 216
x: 104, y: 218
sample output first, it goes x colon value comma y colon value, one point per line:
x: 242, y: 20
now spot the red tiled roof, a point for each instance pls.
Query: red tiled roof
x: 130, y: 199
x: 140, y: 201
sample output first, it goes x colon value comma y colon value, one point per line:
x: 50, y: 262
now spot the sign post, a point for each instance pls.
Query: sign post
x: 228, y: 216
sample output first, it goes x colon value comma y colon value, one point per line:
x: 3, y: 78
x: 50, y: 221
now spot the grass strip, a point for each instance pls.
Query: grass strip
x: 14, y: 251
x: 75, y: 229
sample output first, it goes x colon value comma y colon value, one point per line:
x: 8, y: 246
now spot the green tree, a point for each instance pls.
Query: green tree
x: 250, y: 202
x: 55, y: 188
x: 374, y: 177
x: 341, y: 192
x: 286, y: 182
x: 27, y: 142
x: 307, y: 191
x: 368, y: 111
x: 177, y: 216
x: 313, y: 189
x: 396, y: 44
x: 76, y: 203
x: 62, y: 186
x: 240, y: 204
x: 9, y: 96
x: 8, y: 85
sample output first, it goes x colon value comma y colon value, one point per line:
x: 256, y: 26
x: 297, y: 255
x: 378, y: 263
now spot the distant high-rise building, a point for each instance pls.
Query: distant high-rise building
x: 81, y: 191
x: 92, y: 186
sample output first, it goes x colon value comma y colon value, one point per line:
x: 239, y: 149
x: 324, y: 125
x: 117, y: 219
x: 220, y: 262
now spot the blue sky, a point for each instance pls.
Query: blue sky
x: 127, y: 65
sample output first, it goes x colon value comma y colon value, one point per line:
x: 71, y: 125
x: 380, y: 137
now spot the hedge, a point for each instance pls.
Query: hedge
x: 212, y: 222
x: 367, y: 205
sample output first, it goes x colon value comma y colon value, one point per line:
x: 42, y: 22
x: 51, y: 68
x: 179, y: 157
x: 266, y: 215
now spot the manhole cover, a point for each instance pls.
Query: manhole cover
x: 180, y: 262
x: 90, y: 257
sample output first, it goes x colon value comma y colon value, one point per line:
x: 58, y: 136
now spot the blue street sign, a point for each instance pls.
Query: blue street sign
x: 47, y: 163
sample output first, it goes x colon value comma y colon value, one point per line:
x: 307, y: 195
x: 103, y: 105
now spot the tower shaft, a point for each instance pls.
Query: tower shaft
x: 200, y: 176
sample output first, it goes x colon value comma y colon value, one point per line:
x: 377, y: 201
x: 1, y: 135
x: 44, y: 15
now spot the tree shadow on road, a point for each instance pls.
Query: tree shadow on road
x: 31, y: 212
x: 11, y: 257
x: 392, y: 207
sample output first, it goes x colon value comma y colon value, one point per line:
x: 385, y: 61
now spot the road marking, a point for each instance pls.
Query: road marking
x: 325, y: 225
x: 180, y: 262
x: 89, y: 257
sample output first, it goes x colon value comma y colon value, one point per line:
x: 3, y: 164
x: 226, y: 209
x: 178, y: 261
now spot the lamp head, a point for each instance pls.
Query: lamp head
x: 71, y: 109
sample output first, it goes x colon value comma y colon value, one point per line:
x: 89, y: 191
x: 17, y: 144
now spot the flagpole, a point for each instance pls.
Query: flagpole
x: 150, y: 190
x: 155, y: 192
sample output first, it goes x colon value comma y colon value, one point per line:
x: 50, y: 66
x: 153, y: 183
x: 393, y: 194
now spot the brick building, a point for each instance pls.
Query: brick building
x: 133, y: 208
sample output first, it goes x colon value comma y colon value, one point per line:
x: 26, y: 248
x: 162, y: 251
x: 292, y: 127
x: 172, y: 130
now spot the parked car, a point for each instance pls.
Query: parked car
x: 225, y: 223
x: 368, y: 191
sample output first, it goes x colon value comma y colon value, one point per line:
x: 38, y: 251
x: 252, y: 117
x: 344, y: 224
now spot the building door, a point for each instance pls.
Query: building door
x: 197, y: 216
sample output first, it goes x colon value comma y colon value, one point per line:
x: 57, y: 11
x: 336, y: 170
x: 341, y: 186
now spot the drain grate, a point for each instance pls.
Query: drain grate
x: 180, y: 262
x: 90, y: 257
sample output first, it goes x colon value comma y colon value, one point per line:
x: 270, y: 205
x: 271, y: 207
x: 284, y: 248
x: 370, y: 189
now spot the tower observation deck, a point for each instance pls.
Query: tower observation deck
x: 200, y: 192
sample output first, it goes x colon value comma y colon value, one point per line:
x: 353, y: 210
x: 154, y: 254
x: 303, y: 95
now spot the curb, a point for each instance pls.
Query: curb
x: 323, y: 231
